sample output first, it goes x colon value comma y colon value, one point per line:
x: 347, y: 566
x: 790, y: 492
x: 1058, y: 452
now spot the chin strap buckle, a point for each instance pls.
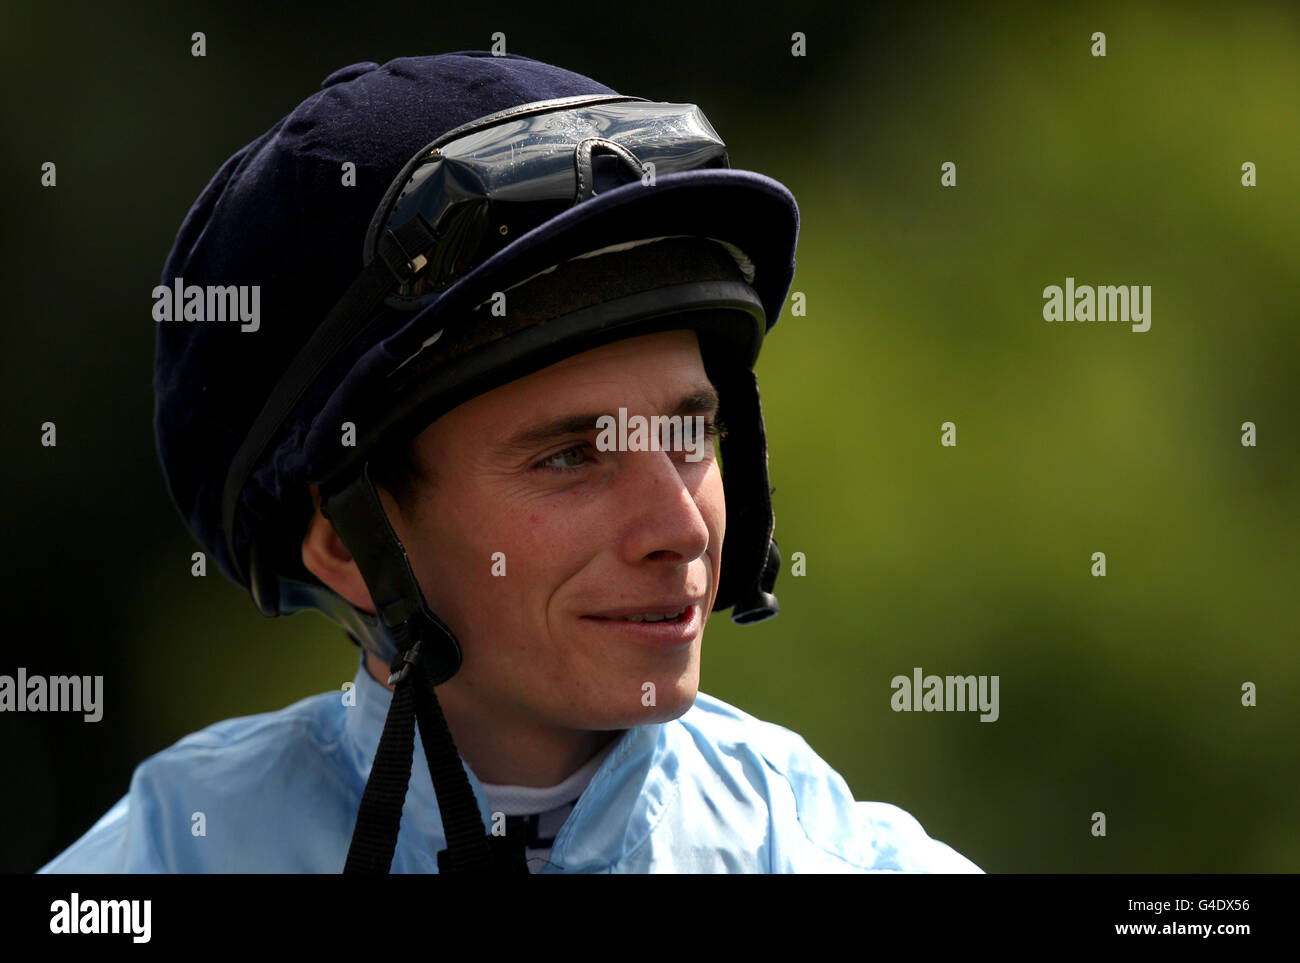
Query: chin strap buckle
x: 406, y: 661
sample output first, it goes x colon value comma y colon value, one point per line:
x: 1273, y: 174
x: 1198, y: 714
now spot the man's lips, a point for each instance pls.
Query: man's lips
x: 665, y: 634
x: 670, y: 607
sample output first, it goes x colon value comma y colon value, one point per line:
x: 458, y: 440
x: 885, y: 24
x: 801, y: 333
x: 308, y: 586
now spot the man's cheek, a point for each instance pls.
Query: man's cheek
x: 458, y: 580
x: 558, y: 533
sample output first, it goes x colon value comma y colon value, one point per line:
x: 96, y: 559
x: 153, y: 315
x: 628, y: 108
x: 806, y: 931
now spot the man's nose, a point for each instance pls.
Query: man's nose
x: 662, y: 519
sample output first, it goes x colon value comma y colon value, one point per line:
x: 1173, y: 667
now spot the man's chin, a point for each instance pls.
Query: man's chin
x: 639, y: 704
x: 659, y: 702
x: 660, y: 714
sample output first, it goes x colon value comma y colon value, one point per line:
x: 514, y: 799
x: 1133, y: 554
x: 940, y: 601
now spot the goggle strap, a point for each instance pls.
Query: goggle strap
x: 402, y: 250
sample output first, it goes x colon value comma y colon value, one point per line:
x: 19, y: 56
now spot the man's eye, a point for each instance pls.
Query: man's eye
x: 566, y: 460
x: 710, y: 429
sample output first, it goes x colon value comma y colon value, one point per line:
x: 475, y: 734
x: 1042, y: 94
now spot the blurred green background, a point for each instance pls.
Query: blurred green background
x: 1119, y: 694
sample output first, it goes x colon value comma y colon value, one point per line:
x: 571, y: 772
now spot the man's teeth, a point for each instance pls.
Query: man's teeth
x: 652, y: 618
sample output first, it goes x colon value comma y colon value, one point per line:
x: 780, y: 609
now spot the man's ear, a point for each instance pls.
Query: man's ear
x: 326, y: 557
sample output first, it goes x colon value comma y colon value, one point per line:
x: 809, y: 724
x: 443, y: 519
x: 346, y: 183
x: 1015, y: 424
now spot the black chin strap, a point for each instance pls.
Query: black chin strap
x: 429, y: 655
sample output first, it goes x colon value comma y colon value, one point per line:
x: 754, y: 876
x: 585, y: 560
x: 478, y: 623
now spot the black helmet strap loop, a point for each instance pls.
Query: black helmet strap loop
x: 428, y: 655
x: 584, y: 164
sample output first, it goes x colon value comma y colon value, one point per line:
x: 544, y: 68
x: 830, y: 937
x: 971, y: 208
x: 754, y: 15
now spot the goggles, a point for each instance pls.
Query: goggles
x: 477, y: 188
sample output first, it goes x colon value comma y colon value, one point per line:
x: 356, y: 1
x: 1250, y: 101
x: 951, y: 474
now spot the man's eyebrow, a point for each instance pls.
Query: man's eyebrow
x: 701, y: 400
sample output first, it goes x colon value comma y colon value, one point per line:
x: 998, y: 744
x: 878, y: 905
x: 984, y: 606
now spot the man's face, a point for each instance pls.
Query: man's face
x: 584, y: 537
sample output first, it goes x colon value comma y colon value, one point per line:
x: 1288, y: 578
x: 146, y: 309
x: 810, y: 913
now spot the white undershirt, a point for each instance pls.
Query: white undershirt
x: 540, y: 812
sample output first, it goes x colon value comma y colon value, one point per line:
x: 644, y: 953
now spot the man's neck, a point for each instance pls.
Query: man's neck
x: 507, y: 754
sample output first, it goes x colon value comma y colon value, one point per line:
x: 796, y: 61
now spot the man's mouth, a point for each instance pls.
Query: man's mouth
x: 649, y: 616
x: 669, y: 610
x: 669, y: 626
